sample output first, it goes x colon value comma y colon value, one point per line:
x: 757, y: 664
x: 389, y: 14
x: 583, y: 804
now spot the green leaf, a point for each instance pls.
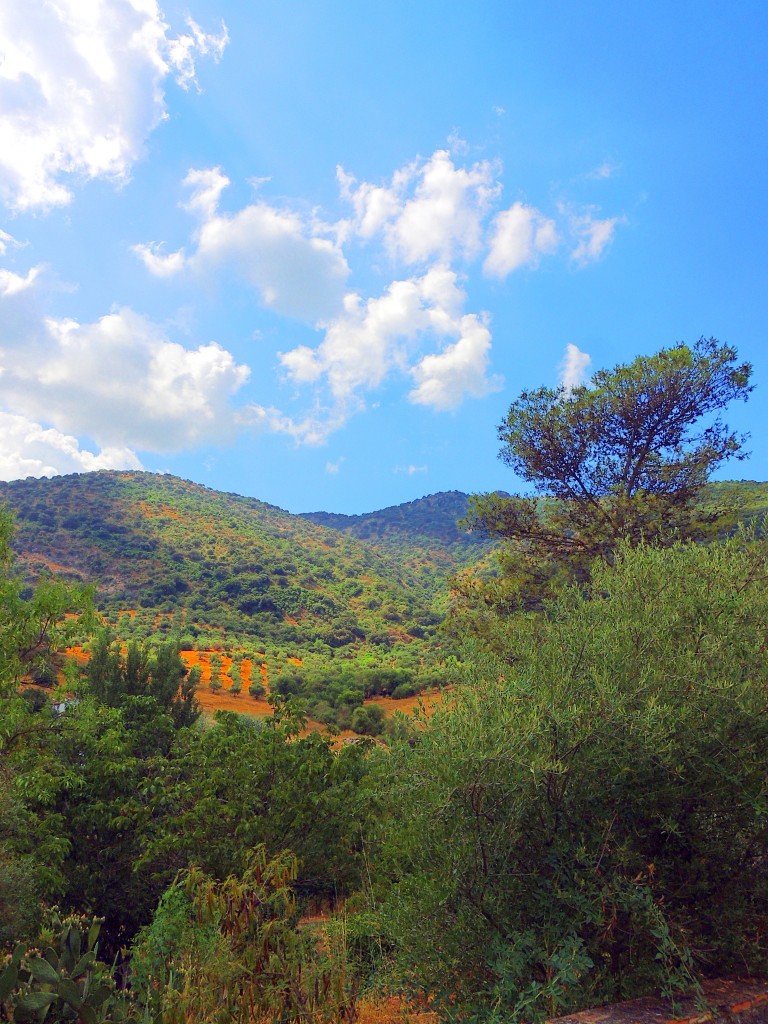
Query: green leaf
x: 8, y: 980
x: 93, y: 934
x: 43, y: 972
x: 87, y: 1015
x: 29, y: 1007
x: 82, y: 965
x: 100, y: 995
x: 74, y: 942
x: 70, y: 993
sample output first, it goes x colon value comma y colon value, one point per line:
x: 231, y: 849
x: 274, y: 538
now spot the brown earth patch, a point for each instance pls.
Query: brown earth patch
x: 393, y: 1010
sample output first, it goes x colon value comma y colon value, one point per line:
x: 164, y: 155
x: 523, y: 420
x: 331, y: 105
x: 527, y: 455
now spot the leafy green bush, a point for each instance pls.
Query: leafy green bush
x: 231, y: 951
x: 588, y: 822
x: 368, y: 720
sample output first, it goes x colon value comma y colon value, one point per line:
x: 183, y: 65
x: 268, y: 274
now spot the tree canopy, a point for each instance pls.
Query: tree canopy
x: 627, y: 455
x: 624, y: 457
x: 586, y: 822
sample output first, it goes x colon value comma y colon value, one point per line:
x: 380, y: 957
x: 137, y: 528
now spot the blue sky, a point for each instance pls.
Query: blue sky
x: 310, y: 251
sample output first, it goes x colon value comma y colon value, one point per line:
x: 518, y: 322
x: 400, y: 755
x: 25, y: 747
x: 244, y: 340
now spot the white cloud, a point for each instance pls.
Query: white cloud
x: 7, y: 241
x: 431, y: 210
x: 159, y: 263
x: 313, y: 429
x: 374, y: 337
x: 277, y: 251
x: 519, y: 236
x: 12, y: 284
x: 411, y: 469
x: 573, y: 368
x: 377, y: 337
x: 444, y: 380
x: 183, y: 50
x: 602, y: 171
x: 81, y: 88
x: 121, y: 382
x: 334, y: 467
x: 29, y: 449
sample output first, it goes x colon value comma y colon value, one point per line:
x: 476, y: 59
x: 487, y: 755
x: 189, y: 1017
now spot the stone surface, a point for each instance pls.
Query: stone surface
x: 732, y: 1000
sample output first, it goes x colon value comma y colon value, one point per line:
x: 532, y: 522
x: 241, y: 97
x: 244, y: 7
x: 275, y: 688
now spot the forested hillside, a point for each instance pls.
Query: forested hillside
x: 182, y: 558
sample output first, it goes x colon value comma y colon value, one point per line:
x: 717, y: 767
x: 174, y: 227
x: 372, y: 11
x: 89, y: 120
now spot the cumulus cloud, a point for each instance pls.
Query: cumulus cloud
x: 431, y: 210
x: 81, y: 88
x: 519, y: 236
x: 445, y: 379
x: 573, y: 368
x: 119, y: 381
x: 30, y: 449
x: 432, y: 215
x: 295, y: 270
x: 377, y: 337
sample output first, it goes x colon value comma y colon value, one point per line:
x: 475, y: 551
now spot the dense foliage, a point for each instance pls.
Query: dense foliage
x: 588, y: 821
x: 218, y: 568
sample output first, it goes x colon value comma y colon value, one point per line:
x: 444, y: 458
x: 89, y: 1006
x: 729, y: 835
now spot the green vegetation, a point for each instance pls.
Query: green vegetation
x: 587, y: 821
x: 220, y: 569
x: 582, y: 820
x: 625, y: 459
x: 333, y: 693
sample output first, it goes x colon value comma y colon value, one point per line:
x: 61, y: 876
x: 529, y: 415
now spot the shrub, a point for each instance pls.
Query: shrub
x: 588, y: 822
x: 368, y: 720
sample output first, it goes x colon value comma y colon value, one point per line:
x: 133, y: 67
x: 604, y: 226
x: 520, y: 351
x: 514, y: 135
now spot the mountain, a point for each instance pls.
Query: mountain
x: 427, y: 522
x: 169, y: 555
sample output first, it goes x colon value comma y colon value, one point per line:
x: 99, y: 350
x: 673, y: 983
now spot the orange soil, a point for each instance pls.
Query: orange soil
x: 53, y: 566
x: 225, y: 701
x: 393, y: 1010
x: 157, y: 511
x: 430, y: 699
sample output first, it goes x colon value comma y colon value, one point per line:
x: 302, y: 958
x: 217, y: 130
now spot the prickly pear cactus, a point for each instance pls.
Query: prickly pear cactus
x: 63, y: 980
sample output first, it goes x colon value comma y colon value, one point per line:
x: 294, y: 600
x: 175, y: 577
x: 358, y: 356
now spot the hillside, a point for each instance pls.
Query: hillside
x: 166, y: 554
